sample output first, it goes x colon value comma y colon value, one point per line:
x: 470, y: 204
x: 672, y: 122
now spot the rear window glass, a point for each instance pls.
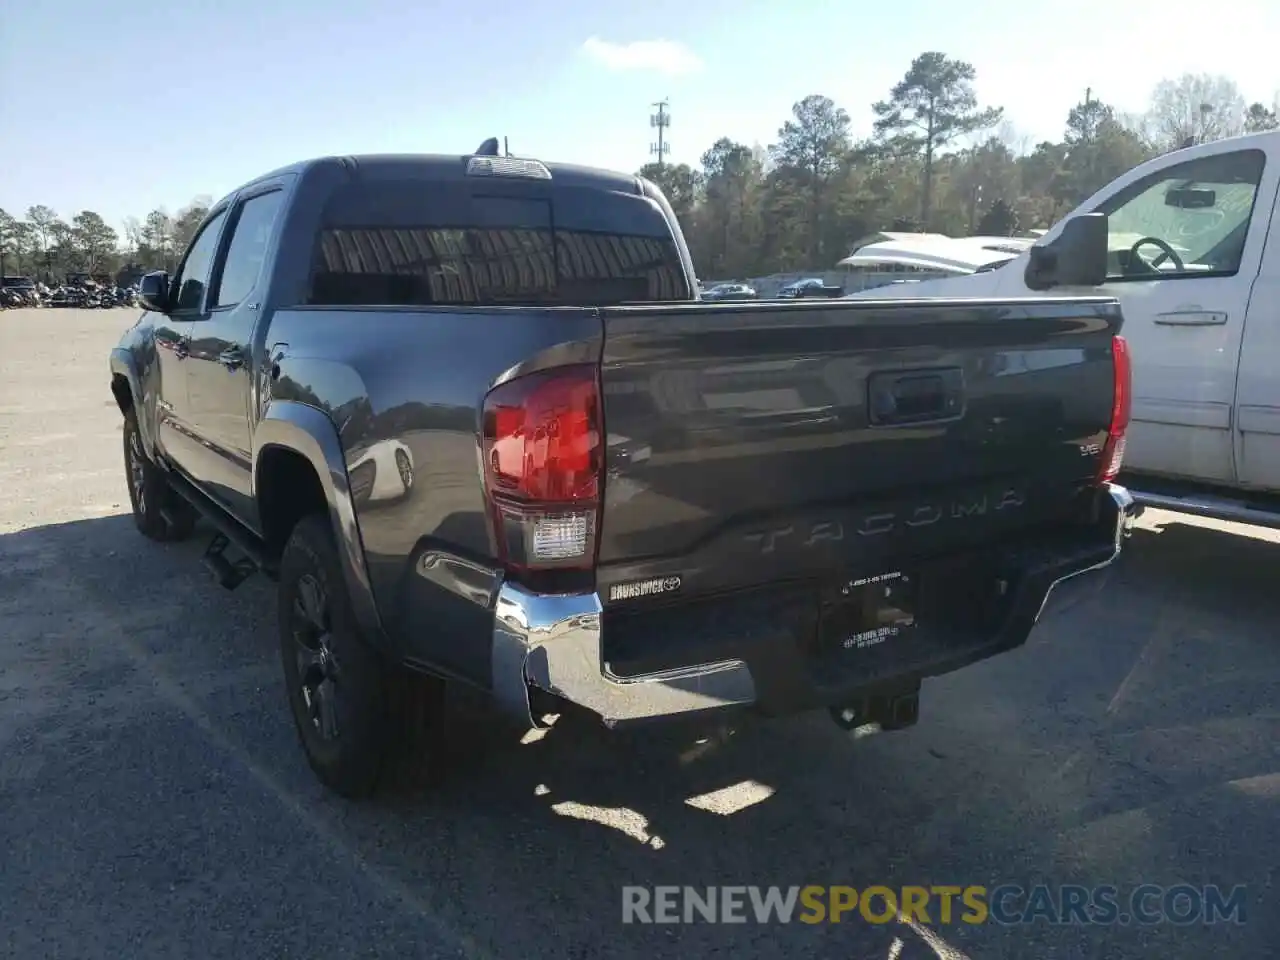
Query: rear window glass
x: 414, y: 243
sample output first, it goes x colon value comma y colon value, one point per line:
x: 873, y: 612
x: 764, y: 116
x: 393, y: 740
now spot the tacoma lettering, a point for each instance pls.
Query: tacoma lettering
x: 876, y: 524
x: 768, y: 540
x: 928, y: 514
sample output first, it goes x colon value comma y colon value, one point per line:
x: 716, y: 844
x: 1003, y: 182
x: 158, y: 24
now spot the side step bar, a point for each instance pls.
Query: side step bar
x: 1214, y: 508
x: 229, y: 573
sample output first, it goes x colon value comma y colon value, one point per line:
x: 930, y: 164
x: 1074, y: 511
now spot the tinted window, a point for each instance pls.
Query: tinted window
x: 248, y: 248
x: 193, y: 276
x: 1188, y: 220
x: 412, y: 243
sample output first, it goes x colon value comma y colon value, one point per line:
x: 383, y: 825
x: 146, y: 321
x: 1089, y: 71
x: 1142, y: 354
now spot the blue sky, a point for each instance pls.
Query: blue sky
x: 121, y: 107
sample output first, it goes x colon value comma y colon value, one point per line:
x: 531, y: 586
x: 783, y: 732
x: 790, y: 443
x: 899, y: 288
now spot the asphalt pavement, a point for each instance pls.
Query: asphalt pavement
x: 154, y: 802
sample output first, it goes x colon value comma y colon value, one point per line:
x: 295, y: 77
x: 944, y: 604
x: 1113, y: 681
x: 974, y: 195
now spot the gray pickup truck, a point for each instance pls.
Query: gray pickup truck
x: 468, y: 414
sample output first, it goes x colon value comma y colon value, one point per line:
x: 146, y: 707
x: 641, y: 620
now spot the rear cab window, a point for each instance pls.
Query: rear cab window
x: 493, y: 241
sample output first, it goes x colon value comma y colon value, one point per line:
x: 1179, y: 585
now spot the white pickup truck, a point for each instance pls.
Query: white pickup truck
x: 1196, y: 267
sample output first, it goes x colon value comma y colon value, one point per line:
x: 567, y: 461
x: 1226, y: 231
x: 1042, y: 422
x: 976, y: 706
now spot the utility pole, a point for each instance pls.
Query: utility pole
x: 975, y: 200
x: 660, y: 121
x: 1088, y: 120
x: 1205, y: 110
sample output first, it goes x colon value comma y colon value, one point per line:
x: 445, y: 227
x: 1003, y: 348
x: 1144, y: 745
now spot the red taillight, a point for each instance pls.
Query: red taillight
x: 543, y: 447
x: 1121, y: 404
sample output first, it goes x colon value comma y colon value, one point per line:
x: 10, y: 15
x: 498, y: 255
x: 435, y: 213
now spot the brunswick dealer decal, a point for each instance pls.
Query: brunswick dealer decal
x: 644, y: 588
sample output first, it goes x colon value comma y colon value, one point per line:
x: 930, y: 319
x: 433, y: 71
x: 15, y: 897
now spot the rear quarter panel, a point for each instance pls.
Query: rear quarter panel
x: 134, y: 357
x: 417, y: 378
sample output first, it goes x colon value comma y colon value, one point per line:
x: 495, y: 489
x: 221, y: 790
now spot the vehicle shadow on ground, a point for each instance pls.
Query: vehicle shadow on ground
x: 1132, y: 741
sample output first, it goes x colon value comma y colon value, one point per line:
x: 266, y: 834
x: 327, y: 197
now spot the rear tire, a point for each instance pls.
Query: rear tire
x: 355, y: 712
x: 158, y: 512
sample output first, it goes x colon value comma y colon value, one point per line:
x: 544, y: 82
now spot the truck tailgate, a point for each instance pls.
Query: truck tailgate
x: 751, y: 444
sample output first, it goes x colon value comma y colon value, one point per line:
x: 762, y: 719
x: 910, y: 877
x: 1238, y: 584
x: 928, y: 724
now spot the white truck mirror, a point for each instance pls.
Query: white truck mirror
x: 1077, y: 257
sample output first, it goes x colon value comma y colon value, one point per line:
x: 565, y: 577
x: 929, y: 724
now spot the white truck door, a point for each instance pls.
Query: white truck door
x: 1185, y: 247
x: 1257, y: 415
x: 1185, y: 308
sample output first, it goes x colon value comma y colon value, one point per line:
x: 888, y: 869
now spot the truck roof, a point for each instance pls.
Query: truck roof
x: 444, y: 166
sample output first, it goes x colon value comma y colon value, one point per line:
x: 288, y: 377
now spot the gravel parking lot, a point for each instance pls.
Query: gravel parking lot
x: 154, y: 803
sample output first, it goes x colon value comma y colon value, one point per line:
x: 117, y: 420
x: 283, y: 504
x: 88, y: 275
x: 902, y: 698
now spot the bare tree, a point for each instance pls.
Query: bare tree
x: 1195, y: 108
x: 132, y: 236
x: 1018, y: 142
x: 185, y: 224
x: 1259, y: 118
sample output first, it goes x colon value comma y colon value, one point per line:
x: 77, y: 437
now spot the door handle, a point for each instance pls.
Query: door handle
x: 1191, y: 317
x: 232, y: 358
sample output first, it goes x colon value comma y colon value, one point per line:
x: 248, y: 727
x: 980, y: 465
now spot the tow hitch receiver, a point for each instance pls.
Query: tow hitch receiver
x: 888, y: 710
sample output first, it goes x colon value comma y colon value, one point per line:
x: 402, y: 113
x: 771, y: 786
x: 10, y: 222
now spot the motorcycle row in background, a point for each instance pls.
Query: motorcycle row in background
x: 84, y: 293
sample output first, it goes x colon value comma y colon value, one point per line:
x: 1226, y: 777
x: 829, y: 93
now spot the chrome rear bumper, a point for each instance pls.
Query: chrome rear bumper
x: 1085, y: 585
x: 554, y: 643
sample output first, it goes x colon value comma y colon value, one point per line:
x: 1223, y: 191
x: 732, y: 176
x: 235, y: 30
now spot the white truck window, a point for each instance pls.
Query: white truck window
x: 1188, y: 220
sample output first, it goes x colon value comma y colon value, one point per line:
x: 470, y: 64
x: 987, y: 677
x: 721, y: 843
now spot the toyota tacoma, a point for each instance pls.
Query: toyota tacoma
x: 469, y: 415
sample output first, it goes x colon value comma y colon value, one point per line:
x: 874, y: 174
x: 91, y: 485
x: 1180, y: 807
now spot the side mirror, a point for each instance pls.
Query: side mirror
x: 1077, y: 257
x: 153, y: 292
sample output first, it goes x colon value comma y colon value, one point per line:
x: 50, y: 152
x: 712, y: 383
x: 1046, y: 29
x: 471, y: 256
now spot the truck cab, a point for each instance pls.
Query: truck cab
x: 1196, y: 267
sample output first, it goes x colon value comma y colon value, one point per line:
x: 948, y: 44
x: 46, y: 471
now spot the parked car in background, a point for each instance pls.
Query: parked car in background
x: 812, y: 287
x: 730, y: 291
x: 918, y: 259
